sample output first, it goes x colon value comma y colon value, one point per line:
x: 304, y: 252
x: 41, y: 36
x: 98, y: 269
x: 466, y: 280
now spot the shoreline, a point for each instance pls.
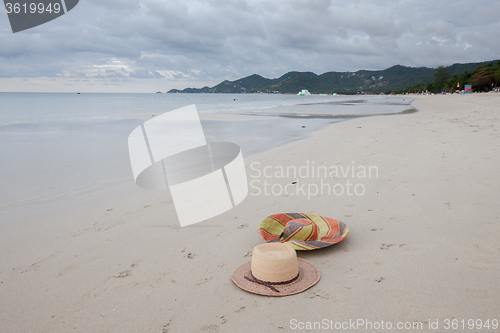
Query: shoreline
x: 422, y: 243
x: 286, y: 128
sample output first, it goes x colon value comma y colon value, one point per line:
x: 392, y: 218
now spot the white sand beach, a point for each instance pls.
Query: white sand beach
x: 423, y: 243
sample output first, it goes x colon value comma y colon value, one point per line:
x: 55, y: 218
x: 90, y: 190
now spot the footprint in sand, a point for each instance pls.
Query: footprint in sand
x: 386, y: 246
x: 122, y: 274
x: 239, y: 309
x: 204, y: 280
x: 317, y: 293
x: 127, y: 272
x: 167, y: 327
x: 189, y: 255
x: 210, y: 328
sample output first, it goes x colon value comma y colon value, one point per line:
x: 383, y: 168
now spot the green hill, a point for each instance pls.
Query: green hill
x: 362, y: 81
x: 249, y: 84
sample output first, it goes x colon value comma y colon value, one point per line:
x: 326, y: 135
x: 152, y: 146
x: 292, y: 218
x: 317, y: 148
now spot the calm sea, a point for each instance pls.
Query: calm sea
x: 59, y: 145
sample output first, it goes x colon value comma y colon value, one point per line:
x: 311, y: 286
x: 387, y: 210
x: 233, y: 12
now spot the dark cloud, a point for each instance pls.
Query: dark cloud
x: 186, y: 42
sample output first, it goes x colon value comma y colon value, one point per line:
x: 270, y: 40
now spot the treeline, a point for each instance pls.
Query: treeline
x: 483, y: 78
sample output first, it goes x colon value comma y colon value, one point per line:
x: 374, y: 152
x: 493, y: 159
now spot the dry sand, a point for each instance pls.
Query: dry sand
x: 423, y: 245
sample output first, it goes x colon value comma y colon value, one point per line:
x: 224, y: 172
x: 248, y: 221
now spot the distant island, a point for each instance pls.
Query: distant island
x: 394, y: 79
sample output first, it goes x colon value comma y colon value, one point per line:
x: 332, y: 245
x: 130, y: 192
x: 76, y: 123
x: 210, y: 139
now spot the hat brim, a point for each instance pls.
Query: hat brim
x: 309, y: 275
x: 331, y: 231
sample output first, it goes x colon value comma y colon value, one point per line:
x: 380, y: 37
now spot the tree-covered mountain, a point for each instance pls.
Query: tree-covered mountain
x: 482, y: 78
x: 362, y: 81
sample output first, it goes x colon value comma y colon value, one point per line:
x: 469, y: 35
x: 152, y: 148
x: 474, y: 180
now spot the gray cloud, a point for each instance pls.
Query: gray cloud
x: 145, y: 74
x: 186, y: 42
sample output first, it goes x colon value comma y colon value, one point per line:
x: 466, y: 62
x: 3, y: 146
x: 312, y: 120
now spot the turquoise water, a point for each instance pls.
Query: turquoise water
x: 60, y: 145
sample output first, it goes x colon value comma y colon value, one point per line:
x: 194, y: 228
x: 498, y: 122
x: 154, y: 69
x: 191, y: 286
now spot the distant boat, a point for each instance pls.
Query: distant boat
x: 304, y: 92
x: 158, y: 92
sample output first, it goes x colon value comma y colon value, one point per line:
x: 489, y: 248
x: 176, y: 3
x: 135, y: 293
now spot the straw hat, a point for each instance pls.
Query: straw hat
x: 275, y: 270
x: 302, y: 231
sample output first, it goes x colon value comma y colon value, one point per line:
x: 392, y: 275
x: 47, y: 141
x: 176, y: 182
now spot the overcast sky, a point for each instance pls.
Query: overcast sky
x: 150, y: 45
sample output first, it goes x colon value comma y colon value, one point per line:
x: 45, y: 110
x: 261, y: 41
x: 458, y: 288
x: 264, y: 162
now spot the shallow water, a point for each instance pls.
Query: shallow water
x: 61, y: 145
